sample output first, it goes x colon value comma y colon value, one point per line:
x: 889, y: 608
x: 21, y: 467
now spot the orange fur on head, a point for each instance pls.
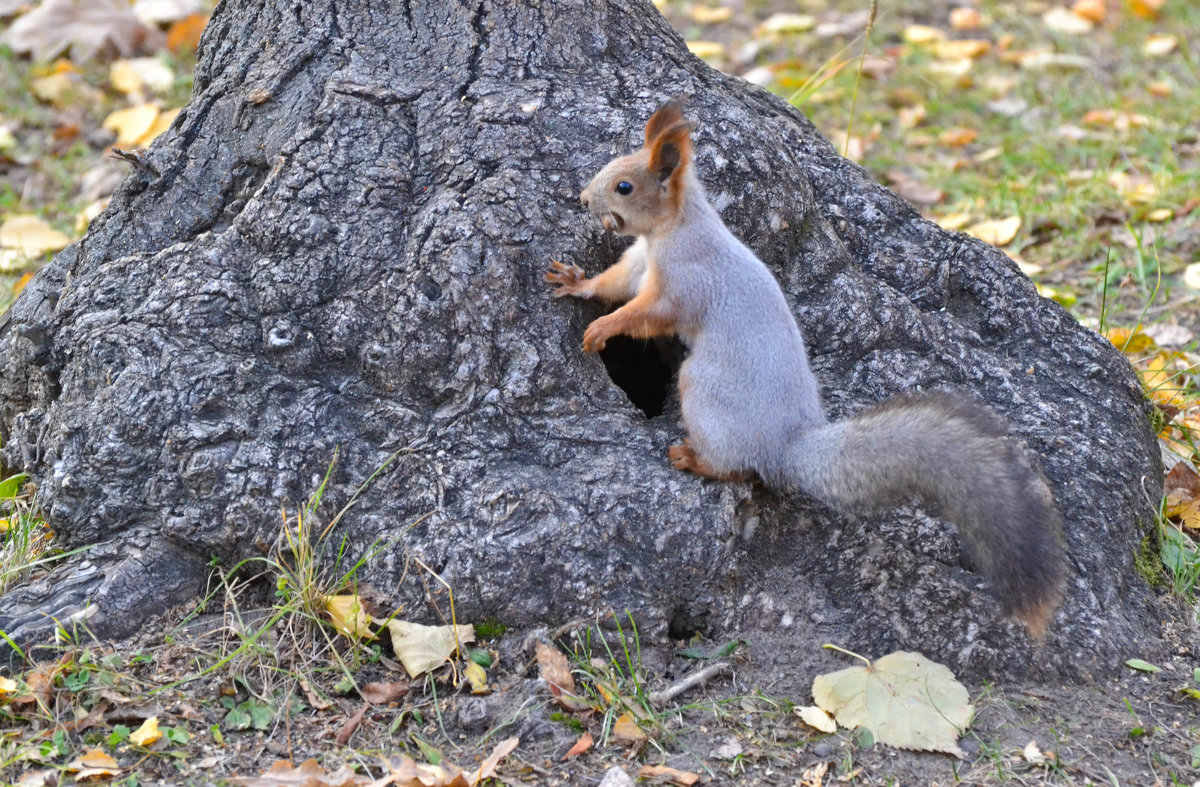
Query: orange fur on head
x: 666, y: 116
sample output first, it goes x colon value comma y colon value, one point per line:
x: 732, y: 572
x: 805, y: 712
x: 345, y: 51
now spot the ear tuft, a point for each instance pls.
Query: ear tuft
x: 668, y: 115
x: 671, y: 152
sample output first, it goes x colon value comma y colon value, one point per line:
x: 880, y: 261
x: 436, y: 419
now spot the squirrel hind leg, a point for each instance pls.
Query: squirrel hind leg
x: 684, y: 457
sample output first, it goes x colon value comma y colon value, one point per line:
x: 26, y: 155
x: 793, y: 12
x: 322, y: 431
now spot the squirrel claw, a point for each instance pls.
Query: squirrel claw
x: 682, y: 456
x: 568, y: 280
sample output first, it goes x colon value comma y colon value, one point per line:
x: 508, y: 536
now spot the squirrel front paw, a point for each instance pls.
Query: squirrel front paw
x: 597, y: 334
x: 568, y: 280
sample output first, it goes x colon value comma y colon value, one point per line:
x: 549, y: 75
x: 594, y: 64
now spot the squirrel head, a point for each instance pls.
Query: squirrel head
x: 641, y: 193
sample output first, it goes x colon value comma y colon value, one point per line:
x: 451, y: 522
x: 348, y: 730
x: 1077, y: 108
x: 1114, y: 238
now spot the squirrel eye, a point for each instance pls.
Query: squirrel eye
x: 624, y: 188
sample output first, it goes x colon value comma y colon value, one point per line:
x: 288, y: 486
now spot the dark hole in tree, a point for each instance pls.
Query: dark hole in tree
x: 684, y: 626
x: 644, y: 369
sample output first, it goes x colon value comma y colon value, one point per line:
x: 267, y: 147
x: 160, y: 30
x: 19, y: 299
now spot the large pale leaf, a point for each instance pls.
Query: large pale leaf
x: 84, y: 27
x: 904, y: 699
x: 422, y: 649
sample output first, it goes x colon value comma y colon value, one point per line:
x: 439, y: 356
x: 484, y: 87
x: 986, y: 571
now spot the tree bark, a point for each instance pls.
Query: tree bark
x: 340, y: 247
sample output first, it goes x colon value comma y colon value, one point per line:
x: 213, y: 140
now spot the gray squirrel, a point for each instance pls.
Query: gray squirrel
x: 750, y: 401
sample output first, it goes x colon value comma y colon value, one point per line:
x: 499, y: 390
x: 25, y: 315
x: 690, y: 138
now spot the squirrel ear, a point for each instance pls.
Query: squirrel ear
x: 666, y: 116
x: 671, y: 152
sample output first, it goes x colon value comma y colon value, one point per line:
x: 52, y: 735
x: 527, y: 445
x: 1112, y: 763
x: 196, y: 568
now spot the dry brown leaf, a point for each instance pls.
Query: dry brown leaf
x: 423, y: 649
x: 661, y: 774
x: 1160, y: 89
x: 487, y: 768
x: 308, y: 774
x: 583, y: 744
x: 912, y: 189
x: 81, y: 27
x: 94, y: 764
x: 998, y: 232
x: 380, y: 693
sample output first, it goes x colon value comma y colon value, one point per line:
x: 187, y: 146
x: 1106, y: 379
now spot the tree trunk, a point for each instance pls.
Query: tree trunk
x: 340, y: 247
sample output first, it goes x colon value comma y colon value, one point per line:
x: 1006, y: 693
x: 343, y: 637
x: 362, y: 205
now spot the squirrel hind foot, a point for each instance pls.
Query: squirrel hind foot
x: 684, y: 457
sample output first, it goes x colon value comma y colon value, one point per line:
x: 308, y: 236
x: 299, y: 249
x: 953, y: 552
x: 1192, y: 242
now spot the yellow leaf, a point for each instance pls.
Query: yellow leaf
x: 348, y: 617
x: 161, y: 124
x: 1160, y: 45
x: 31, y: 234
x: 966, y: 48
x: 1091, y: 10
x: 922, y: 35
x: 1160, y: 89
x: 998, y: 232
x: 147, y: 734
x: 783, y: 24
x: 706, y: 49
x: 708, y: 15
x: 131, y: 123
x: 423, y: 649
x: 94, y: 759
x: 910, y: 117
x: 817, y: 718
x: 54, y: 89
x: 907, y: 700
x: 1191, y: 276
x: 626, y: 730
x: 132, y: 75
x: 953, y: 221
x: 1131, y: 341
x: 1147, y: 9
x: 7, y: 685
x: 1162, y: 382
x: 1159, y: 215
x: 477, y: 676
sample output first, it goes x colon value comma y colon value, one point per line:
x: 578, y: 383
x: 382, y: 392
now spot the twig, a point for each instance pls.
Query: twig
x: 690, y: 682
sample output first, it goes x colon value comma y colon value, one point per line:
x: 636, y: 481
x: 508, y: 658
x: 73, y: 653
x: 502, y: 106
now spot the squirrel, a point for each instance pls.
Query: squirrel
x: 750, y: 401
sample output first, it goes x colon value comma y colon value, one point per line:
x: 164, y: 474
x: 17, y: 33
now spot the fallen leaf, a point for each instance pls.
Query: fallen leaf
x: 487, y: 768
x: 961, y: 48
x: 1061, y: 20
x: 81, y: 28
x: 1191, y: 276
x: 922, y: 35
x: 158, y: 12
x: 1161, y: 381
x: 130, y: 76
x: 626, y: 730
x: 1041, y: 61
x: 1142, y: 666
x: 31, y: 235
x: 423, y: 649
x: 998, y: 232
x: 131, y: 123
x: 1032, y: 754
x: 147, y: 734
x: 706, y: 49
x: 583, y: 744
x: 1159, y: 215
x: 308, y: 774
x: 1091, y: 10
x: 476, y: 675
x: 953, y: 221
x: 348, y: 617
x: 184, y: 35
x: 904, y: 699
x: 95, y: 762
x: 912, y: 189
x: 661, y: 774
x: 1147, y: 9
x: 1160, y: 89
x: 784, y: 24
x: 966, y: 19
x: 7, y: 685
x: 381, y: 693
x: 816, y: 718
x: 911, y: 117
x: 957, y: 137
x: 1160, y: 45
x: 711, y: 15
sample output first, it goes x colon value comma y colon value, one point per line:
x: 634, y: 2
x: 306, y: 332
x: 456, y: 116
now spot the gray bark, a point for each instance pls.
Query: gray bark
x: 340, y: 245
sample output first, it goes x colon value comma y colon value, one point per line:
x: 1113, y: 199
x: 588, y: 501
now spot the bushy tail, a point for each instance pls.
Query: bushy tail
x: 957, y: 457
